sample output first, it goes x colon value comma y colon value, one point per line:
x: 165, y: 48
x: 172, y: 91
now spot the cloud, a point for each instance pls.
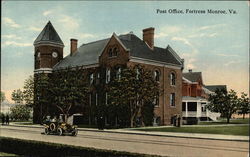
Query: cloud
x: 227, y: 55
x: 11, y: 36
x: 210, y: 27
x: 9, y: 22
x: 37, y: 29
x: 167, y: 30
x: 47, y: 12
x: 69, y: 22
x: 86, y: 35
x: 231, y: 62
x: 13, y: 43
x: 184, y: 40
x: 200, y: 35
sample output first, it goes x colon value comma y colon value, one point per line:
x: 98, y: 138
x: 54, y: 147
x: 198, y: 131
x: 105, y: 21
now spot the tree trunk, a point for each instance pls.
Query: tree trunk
x: 228, y: 119
x: 243, y: 115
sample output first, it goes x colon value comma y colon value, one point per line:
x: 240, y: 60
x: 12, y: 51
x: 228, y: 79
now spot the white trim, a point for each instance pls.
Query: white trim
x: 48, y: 43
x: 43, y: 70
x: 152, y: 62
x: 186, y: 80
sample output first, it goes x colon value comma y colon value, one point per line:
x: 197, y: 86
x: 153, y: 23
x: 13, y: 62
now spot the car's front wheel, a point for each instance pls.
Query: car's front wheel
x: 60, y: 131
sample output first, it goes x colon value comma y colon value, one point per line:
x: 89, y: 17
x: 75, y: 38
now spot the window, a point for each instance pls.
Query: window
x: 106, y: 98
x: 192, y: 106
x: 156, y: 100
x: 96, y: 99
x: 118, y: 73
x: 157, y: 75
x: 91, y: 78
x: 113, y: 52
x: 110, y: 52
x: 183, y: 106
x: 107, y: 75
x: 203, y: 107
x: 172, y: 79
x: 172, y: 99
x: 137, y: 73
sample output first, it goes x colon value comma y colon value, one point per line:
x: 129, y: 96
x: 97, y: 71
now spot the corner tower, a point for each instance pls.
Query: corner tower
x: 48, y: 49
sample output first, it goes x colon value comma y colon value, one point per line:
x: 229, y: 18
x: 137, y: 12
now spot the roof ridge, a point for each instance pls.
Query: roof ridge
x: 93, y: 42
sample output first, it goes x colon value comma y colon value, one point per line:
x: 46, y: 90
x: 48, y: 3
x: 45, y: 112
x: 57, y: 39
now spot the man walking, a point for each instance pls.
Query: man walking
x: 3, y: 119
x: 7, y: 119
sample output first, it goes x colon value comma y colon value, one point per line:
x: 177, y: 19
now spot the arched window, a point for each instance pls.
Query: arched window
x: 110, y: 52
x: 172, y: 99
x: 157, y: 75
x: 172, y: 79
x: 115, y: 51
x: 107, y: 75
x: 156, y: 100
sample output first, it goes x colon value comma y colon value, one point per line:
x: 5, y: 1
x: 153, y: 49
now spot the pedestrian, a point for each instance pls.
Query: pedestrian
x: 179, y: 121
x: 3, y: 119
x: 7, y: 119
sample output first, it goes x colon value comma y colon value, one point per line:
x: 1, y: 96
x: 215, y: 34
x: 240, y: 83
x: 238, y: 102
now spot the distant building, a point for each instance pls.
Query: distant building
x: 195, y: 98
x: 99, y: 57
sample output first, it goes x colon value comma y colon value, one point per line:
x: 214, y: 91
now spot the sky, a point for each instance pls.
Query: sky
x: 215, y: 44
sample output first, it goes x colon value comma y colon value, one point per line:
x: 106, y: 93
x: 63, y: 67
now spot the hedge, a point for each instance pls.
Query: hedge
x: 45, y: 149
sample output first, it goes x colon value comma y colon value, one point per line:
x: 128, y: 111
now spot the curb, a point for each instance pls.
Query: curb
x: 147, y: 134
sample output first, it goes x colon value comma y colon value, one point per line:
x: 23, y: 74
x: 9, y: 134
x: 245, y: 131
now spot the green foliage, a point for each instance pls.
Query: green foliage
x: 244, y: 104
x: 68, y: 89
x: 20, y: 112
x: 44, y: 149
x: 17, y: 96
x: 28, y: 92
x: 223, y: 102
x: 2, y: 96
x: 132, y: 90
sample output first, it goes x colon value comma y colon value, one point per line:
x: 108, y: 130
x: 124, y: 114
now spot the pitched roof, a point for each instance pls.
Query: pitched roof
x: 89, y: 53
x: 192, y: 76
x: 48, y: 35
x: 214, y: 87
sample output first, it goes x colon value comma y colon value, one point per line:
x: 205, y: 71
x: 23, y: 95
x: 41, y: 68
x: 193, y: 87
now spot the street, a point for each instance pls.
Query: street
x: 165, y: 146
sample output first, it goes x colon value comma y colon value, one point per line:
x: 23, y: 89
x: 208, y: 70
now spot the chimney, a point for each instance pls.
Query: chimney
x: 148, y: 36
x: 190, y: 70
x: 73, y: 46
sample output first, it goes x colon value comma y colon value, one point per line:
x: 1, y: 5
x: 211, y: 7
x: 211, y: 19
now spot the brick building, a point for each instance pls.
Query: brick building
x: 112, y: 53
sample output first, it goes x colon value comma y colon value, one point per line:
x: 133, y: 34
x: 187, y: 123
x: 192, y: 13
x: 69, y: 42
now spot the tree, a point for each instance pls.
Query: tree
x: 28, y: 92
x: 20, y: 112
x: 68, y: 90
x: 133, y: 89
x: 223, y: 102
x: 2, y: 96
x: 244, y: 104
x: 17, y: 96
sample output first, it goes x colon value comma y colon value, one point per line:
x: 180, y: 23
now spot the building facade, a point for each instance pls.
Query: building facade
x: 195, y: 98
x: 101, y: 57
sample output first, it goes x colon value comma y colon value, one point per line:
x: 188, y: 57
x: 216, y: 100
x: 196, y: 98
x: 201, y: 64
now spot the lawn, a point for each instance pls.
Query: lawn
x: 224, y: 121
x: 226, y: 130
x: 7, y: 154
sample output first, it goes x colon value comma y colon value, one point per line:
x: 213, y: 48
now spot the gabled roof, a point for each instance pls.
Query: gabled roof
x: 89, y: 53
x: 193, y: 76
x: 214, y: 87
x: 48, y: 35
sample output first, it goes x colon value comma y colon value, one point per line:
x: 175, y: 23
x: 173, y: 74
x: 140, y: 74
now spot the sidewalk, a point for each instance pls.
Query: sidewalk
x: 155, y: 133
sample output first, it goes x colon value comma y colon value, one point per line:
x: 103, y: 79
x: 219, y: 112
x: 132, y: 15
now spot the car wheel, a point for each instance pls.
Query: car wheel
x: 74, y: 132
x: 46, y: 131
x: 60, y: 131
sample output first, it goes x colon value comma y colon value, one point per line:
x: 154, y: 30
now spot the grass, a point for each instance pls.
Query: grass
x: 225, y: 130
x: 7, y: 154
x: 224, y: 121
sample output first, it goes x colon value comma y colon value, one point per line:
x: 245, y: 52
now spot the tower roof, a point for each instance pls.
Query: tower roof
x: 48, y: 35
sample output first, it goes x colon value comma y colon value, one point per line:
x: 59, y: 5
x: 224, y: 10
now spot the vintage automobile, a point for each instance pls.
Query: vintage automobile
x: 60, y: 128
